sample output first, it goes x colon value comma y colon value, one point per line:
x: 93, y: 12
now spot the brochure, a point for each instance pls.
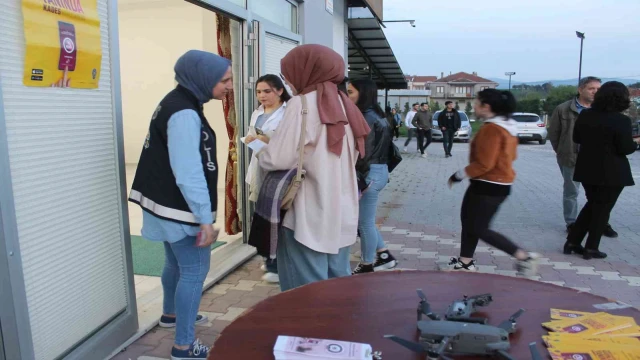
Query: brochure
x: 256, y: 145
x: 593, y: 324
x: 299, y: 348
x: 559, y: 314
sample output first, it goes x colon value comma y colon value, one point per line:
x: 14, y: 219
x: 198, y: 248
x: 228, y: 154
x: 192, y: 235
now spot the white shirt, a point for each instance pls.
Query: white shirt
x: 255, y: 175
x: 324, y: 216
x: 409, y: 119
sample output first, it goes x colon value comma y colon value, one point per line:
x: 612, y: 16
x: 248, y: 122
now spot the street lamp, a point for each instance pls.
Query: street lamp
x: 411, y: 22
x: 509, y: 74
x: 581, y: 36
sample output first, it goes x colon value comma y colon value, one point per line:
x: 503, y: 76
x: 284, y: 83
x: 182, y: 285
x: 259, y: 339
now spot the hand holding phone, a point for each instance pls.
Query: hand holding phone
x: 207, y: 235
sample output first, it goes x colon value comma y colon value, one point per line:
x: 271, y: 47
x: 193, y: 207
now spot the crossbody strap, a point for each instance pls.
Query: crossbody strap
x: 303, y: 131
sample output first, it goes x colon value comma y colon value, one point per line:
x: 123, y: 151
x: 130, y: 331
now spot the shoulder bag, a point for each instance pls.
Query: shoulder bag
x: 296, y: 183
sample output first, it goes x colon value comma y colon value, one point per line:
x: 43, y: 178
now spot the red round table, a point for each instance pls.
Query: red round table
x: 364, y: 308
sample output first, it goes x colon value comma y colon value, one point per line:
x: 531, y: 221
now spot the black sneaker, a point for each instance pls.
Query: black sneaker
x: 609, y: 232
x: 169, y: 322
x: 195, y: 351
x: 457, y: 265
x: 384, y: 261
x: 362, y: 269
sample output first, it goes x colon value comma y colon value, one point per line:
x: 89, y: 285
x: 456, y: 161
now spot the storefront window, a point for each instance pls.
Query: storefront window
x: 280, y: 12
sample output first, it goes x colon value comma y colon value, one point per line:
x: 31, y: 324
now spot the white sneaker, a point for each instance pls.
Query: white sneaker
x: 271, y: 278
x: 456, y: 265
x: 404, y: 151
x: 528, y: 267
x: 424, y: 156
x: 263, y: 267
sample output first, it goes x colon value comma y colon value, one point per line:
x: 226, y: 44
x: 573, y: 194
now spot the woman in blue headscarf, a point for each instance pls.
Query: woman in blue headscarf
x: 176, y: 186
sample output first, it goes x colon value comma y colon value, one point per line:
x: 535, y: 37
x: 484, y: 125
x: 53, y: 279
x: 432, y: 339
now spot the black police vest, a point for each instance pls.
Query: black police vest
x: 154, y: 186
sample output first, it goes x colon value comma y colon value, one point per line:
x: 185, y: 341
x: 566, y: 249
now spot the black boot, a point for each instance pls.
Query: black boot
x: 571, y: 248
x: 593, y: 254
x: 609, y: 232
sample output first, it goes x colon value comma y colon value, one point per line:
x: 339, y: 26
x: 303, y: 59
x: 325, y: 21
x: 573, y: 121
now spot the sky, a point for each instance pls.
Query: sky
x: 534, y: 38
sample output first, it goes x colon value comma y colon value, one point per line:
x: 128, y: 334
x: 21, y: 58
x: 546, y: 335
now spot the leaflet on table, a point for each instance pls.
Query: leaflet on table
x: 559, y: 314
x: 298, y: 348
x: 573, y: 352
x: 593, y: 324
x: 256, y: 145
x: 592, y: 343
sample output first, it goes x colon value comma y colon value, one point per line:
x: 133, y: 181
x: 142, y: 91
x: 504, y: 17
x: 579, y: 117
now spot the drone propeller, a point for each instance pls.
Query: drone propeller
x: 424, y: 308
x: 415, y: 347
x: 535, y: 355
x: 510, y: 325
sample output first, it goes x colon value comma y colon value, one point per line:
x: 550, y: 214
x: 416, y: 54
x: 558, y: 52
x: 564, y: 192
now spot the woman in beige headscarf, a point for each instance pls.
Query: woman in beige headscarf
x: 318, y: 230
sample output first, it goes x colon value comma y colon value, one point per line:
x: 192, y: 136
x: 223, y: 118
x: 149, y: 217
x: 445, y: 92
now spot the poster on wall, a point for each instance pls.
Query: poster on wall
x: 328, y: 5
x: 63, y: 47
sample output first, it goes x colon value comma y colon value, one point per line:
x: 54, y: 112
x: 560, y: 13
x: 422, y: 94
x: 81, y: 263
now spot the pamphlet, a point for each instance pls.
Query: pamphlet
x: 559, y: 314
x: 596, y: 342
x: 589, y: 325
x: 298, y: 348
x: 574, y: 352
x: 256, y: 145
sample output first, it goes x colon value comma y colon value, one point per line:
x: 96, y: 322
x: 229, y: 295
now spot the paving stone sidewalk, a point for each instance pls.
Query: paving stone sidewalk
x: 419, y: 219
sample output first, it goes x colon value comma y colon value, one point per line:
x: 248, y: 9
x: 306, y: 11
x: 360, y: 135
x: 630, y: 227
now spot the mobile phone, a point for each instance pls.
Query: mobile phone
x: 68, y: 48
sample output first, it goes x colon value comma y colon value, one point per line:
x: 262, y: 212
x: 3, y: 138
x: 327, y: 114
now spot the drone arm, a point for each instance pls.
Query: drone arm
x: 504, y: 355
x: 535, y: 355
x: 415, y: 347
x: 509, y: 325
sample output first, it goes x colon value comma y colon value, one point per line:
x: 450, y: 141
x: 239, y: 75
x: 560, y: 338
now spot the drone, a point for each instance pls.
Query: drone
x: 460, y: 335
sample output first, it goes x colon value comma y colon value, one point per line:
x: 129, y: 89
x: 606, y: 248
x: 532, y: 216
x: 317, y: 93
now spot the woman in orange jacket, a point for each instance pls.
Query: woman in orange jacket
x: 490, y: 170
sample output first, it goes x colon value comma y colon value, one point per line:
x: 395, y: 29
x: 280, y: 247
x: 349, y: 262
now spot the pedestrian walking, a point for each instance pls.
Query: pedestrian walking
x: 491, y: 175
x: 411, y: 130
x: 176, y: 184
x: 396, y: 122
x: 273, y: 97
x: 561, y: 126
x: 320, y: 227
x: 605, y: 138
x: 423, y: 122
x: 373, y: 176
x: 449, y: 122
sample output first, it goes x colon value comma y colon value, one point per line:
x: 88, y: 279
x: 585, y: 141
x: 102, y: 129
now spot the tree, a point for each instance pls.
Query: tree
x: 468, y: 109
x: 435, y: 107
x: 406, y: 107
x: 633, y: 112
x: 635, y: 86
x: 457, y: 106
x: 557, y: 96
x: 529, y: 106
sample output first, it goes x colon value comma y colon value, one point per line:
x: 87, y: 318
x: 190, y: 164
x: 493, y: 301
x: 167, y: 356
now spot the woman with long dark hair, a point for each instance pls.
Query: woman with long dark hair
x: 373, y: 176
x: 273, y: 97
x: 491, y: 175
x: 605, y: 138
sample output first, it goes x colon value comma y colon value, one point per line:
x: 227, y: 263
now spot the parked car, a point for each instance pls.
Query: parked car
x: 531, y: 128
x: 464, y: 134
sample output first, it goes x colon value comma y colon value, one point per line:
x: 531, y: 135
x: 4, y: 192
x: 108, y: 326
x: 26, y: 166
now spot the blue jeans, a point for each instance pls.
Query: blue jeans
x: 185, y: 268
x: 370, y: 237
x: 447, y: 140
x: 570, y: 191
x: 298, y: 265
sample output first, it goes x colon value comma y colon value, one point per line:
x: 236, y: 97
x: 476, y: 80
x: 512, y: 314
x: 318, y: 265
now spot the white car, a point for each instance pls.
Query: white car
x: 463, y: 134
x: 531, y: 128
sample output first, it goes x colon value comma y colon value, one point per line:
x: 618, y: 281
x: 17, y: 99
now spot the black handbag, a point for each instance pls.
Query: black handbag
x: 395, y: 157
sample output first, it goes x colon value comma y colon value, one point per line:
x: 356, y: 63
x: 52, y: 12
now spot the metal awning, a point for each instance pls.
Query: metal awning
x: 370, y: 55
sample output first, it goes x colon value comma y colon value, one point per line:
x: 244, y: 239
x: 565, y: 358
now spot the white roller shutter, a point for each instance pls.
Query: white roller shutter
x: 63, y: 159
x: 276, y: 48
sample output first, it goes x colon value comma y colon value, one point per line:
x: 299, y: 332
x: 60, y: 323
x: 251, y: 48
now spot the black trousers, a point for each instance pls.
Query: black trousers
x: 396, y: 132
x: 477, y: 213
x: 594, y: 216
x: 422, y: 136
x: 447, y: 140
x: 410, y: 134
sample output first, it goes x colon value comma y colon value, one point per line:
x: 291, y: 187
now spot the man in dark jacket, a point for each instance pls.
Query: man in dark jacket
x: 423, y: 123
x: 449, y: 122
x: 561, y: 126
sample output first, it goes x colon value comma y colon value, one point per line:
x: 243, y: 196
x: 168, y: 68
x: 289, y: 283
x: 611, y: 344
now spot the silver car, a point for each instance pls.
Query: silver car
x: 463, y: 134
x: 531, y: 128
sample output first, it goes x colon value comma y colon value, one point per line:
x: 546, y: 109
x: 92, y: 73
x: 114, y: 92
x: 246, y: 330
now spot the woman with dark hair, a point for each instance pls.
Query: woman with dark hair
x: 605, y: 139
x: 373, y: 176
x: 273, y: 97
x: 491, y: 175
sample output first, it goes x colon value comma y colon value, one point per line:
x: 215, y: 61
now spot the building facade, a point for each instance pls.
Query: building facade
x: 418, y: 82
x: 67, y: 156
x: 460, y: 88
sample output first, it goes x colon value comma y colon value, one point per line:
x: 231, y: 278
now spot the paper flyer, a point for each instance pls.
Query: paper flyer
x: 559, y: 314
x: 594, y: 324
x: 299, y: 348
x: 573, y: 352
x: 63, y: 43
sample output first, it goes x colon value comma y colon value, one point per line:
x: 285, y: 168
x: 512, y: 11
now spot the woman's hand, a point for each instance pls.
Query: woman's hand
x: 209, y: 235
x: 263, y: 138
x: 249, y: 139
x: 453, y: 179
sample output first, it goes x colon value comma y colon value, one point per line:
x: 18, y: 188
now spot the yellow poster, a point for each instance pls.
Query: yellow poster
x: 62, y: 43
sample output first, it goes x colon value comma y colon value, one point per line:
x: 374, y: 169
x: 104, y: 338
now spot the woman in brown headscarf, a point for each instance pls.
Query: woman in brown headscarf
x: 318, y: 230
